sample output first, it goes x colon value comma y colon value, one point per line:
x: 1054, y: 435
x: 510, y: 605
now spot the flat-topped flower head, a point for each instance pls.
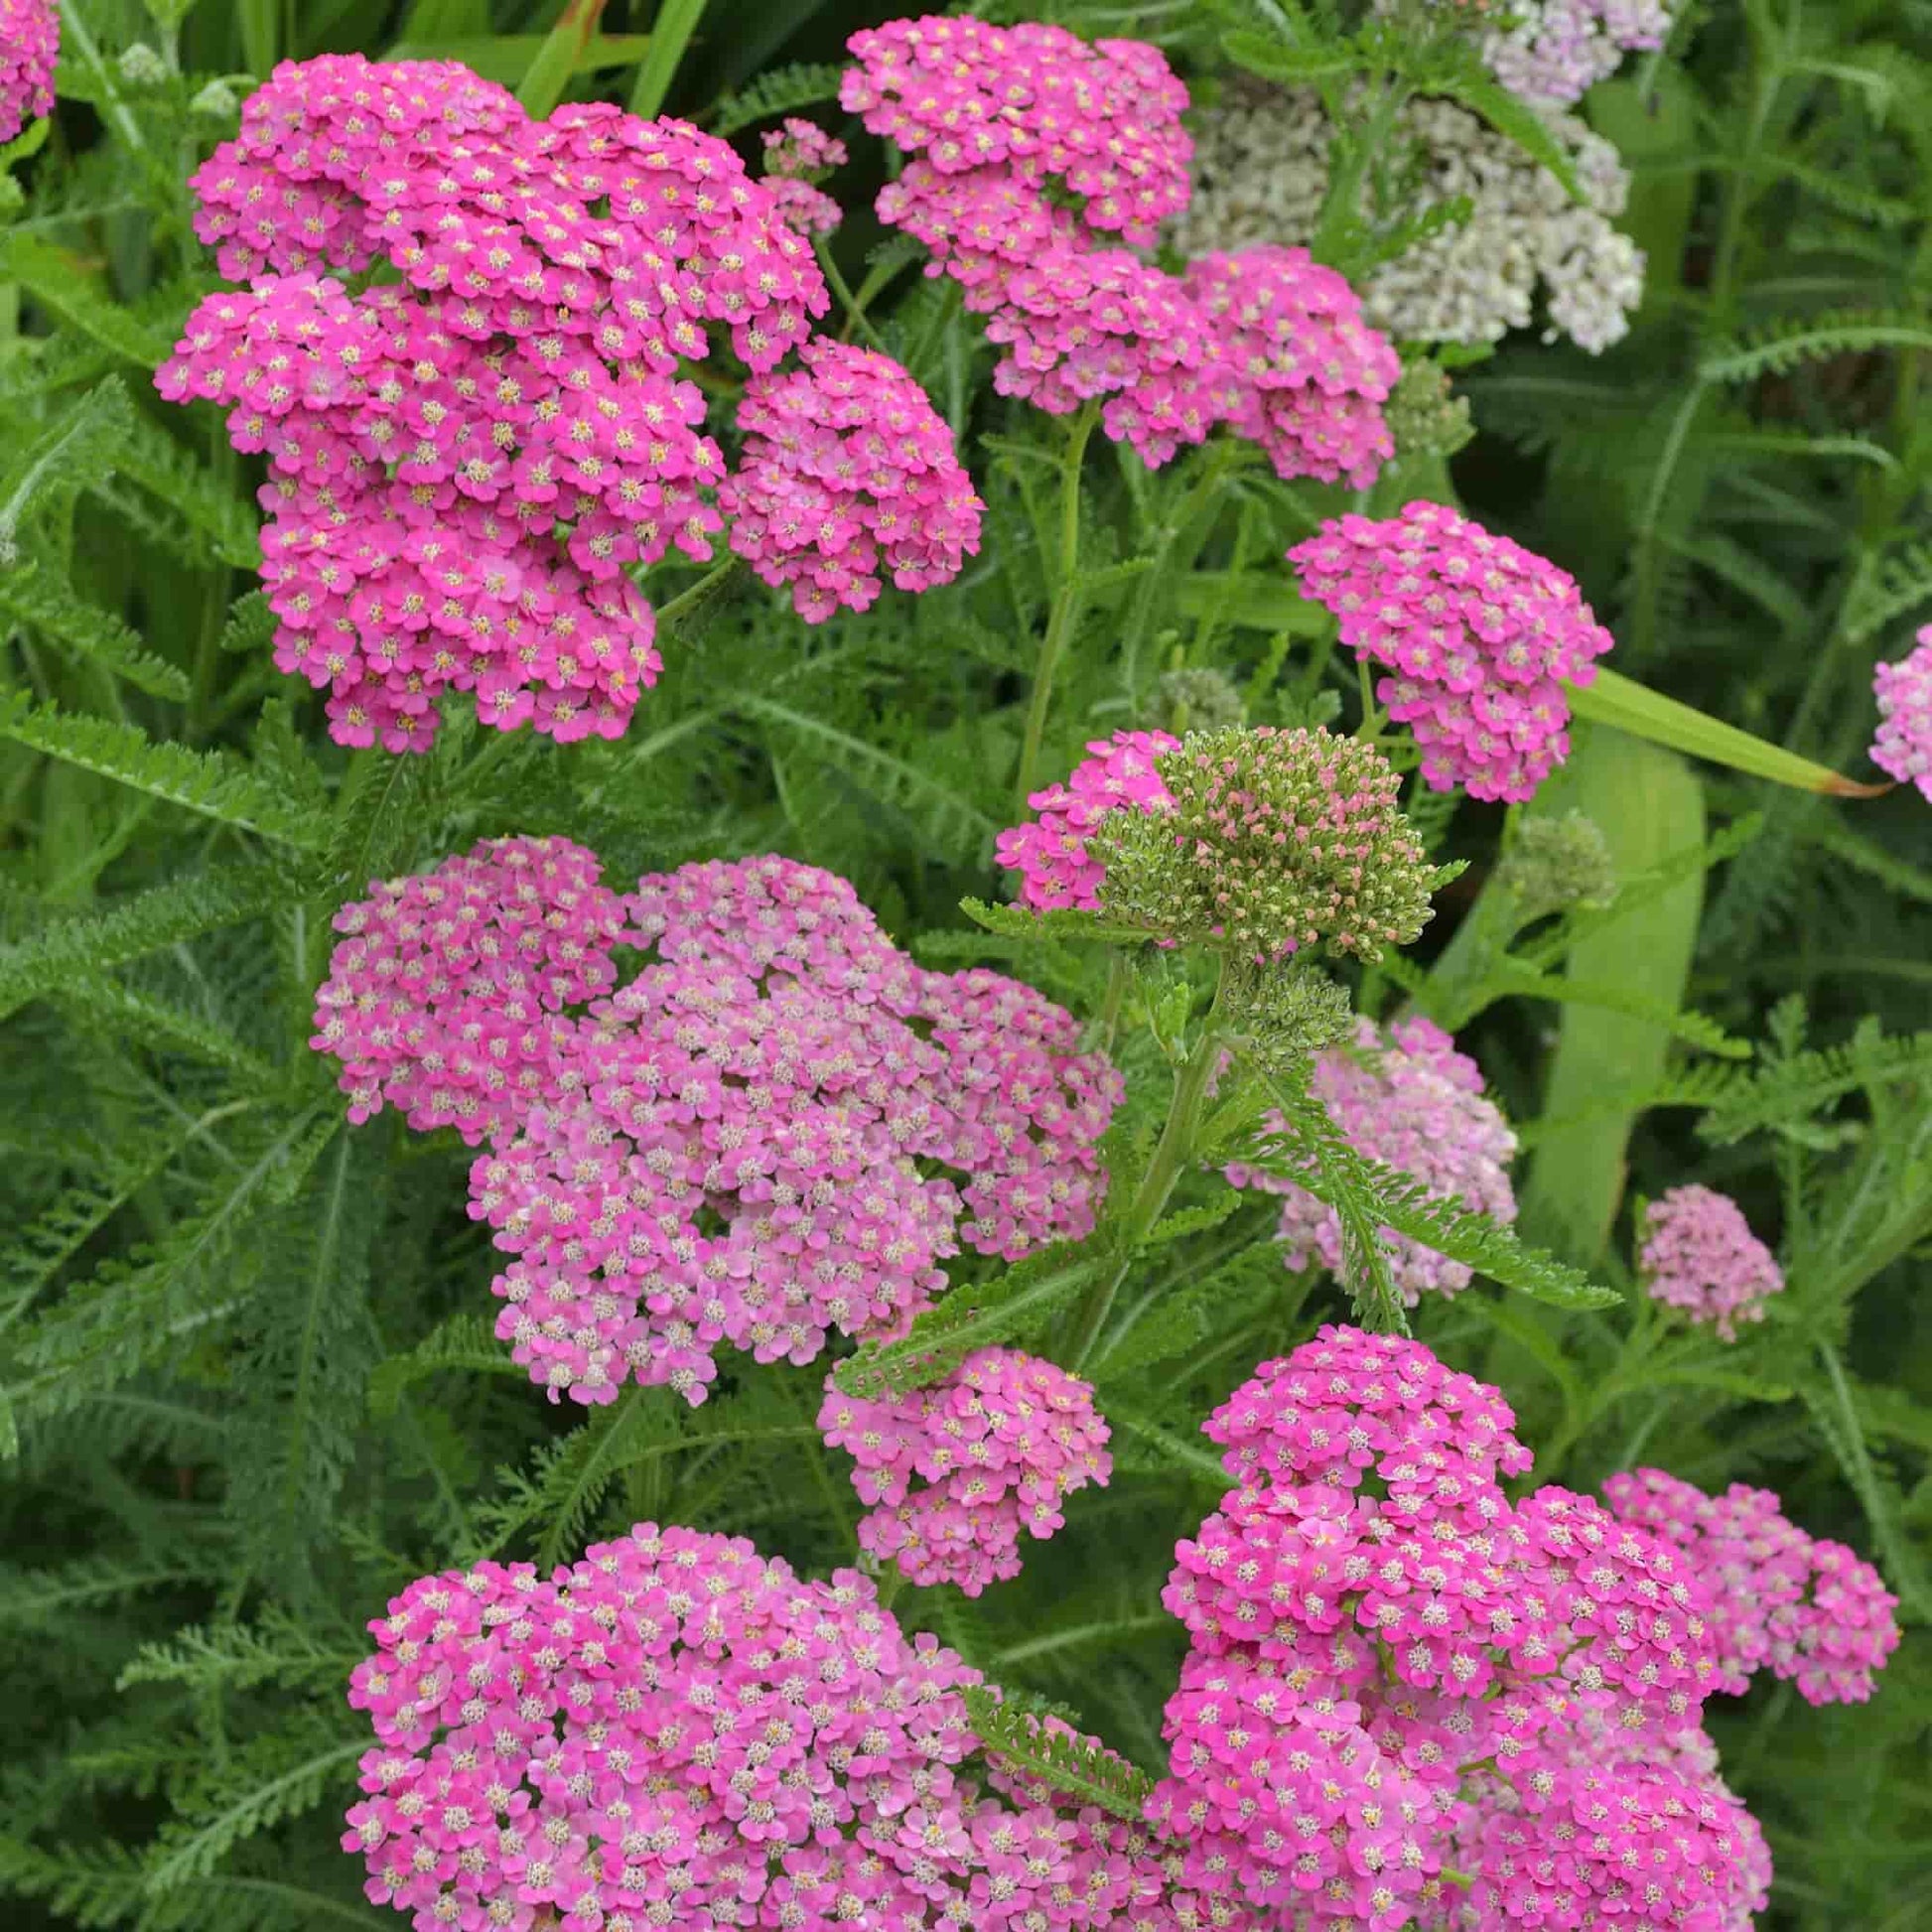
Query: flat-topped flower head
x: 467, y: 459
x: 1552, y: 51
x: 955, y: 1473
x: 1902, y: 749
x: 1274, y: 841
x: 781, y: 1130
x: 678, y: 1733
x: 30, y: 45
x: 1101, y: 121
x: 1698, y: 1253
x: 447, y: 994
x: 1406, y: 1097
x: 1306, y: 377
x: 1478, y: 634
x: 848, y: 476
x: 1803, y: 1607
x: 1054, y: 853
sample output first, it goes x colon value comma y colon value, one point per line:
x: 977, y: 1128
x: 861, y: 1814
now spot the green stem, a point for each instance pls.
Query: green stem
x: 1173, y: 1154
x: 855, y: 314
x: 1065, y: 596
x: 1221, y: 454
x: 698, y: 592
x: 1117, y: 974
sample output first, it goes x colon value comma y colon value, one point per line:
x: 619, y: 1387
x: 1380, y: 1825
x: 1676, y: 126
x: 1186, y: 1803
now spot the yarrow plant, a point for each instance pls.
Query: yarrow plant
x: 1902, y: 747
x: 1698, y: 1254
x: 996, y: 1447
x: 1406, y: 1097
x: 1481, y: 637
x: 467, y: 463
x: 797, y: 157
x: 30, y: 43
x: 1258, y: 842
x: 748, y: 1141
x: 847, y: 472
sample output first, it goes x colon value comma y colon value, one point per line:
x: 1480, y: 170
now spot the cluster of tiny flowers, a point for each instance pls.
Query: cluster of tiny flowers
x: 1552, y: 51
x: 467, y: 461
x: 1262, y: 167
x: 1803, y: 1607
x: 1395, y: 1669
x: 847, y: 472
x: 30, y: 43
x: 1051, y: 853
x: 1408, y: 1098
x: 778, y: 1131
x: 997, y: 122
x: 446, y: 995
x: 999, y: 1446
x: 1479, y: 637
x: 1902, y: 747
x: 1308, y: 376
x: 1275, y: 841
x: 1699, y: 1254
x: 797, y: 156
x: 676, y: 1732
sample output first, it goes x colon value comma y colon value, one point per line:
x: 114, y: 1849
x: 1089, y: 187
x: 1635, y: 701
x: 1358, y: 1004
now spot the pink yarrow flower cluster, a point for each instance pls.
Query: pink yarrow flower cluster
x: 30, y: 45
x: 1902, y: 749
x: 847, y: 473
x: 1807, y: 1609
x: 1408, y: 1098
x: 1050, y: 852
x: 779, y: 1130
x: 1699, y: 1254
x: 1395, y: 1669
x: 1004, y: 128
x: 466, y: 463
x: 996, y: 1447
x: 797, y: 156
x: 445, y: 996
x: 1479, y: 637
x: 1552, y: 51
x: 676, y: 1731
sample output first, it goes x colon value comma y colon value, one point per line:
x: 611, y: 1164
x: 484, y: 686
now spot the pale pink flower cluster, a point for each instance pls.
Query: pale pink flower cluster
x: 750, y: 1150
x: 1307, y: 376
x: 676, y: 1731
x: 445, y: 996
x: 1699, y: 1254
x: 1803, y: 1607
x: 467, y: 461
x: 1902, y: 747
x: 847, y: 472
x: 797, y: 156
x: 1552, y: 51
x: 1404, y: 1097
x: 1050, y: 852
x: 1479, y: 634
x: 997, y: 1446
x: 1004, y: 128
x: 1396, y: 1671
x: 30, y: 45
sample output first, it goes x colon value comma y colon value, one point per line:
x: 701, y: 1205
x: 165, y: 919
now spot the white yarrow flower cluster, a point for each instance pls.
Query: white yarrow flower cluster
x: 1260, y: 172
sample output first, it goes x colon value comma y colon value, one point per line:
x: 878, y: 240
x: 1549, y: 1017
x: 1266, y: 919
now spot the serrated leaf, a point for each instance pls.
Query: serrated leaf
x: 84, y: 633
x: 1060, y: 922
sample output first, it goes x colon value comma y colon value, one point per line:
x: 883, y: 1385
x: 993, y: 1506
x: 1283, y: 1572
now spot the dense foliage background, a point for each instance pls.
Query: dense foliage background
x: 248, y: 1387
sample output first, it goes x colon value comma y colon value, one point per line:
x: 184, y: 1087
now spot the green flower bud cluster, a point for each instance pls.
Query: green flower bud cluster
x: 1554, y: 864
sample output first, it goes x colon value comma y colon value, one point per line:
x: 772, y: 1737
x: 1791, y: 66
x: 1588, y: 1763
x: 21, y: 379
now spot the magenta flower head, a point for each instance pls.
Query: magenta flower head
x: 678, y: 1733
x: 1699, y: 1254
x: 467, y: 463
x: 1807, y: 1609
x: 1306, y: 377
x: 797, y: 157
x: 30, y: 45
x: 994, y: 1450
x: 1255, y: 842
x: 749, y: 1153
x: 1046, y: 110
x: 446, y: 997
x: 1404, y: 1097
x: 1479, y: 637
x: 848, y: 475
x: 1902, y: 747
x: 1386, y: 1649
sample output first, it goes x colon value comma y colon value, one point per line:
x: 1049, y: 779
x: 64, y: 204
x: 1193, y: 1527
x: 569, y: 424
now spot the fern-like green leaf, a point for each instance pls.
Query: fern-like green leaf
x: 1060, y: 922
x: 1698, y: 1028
x: 74, y: 451
x: 1789, y: 345
x: 55, y: 282
x: 281, y: 1649
x: 1789, y: 1090
x: 1033, y: 1747
x: 465, y: 1341
x: 84, y: 633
